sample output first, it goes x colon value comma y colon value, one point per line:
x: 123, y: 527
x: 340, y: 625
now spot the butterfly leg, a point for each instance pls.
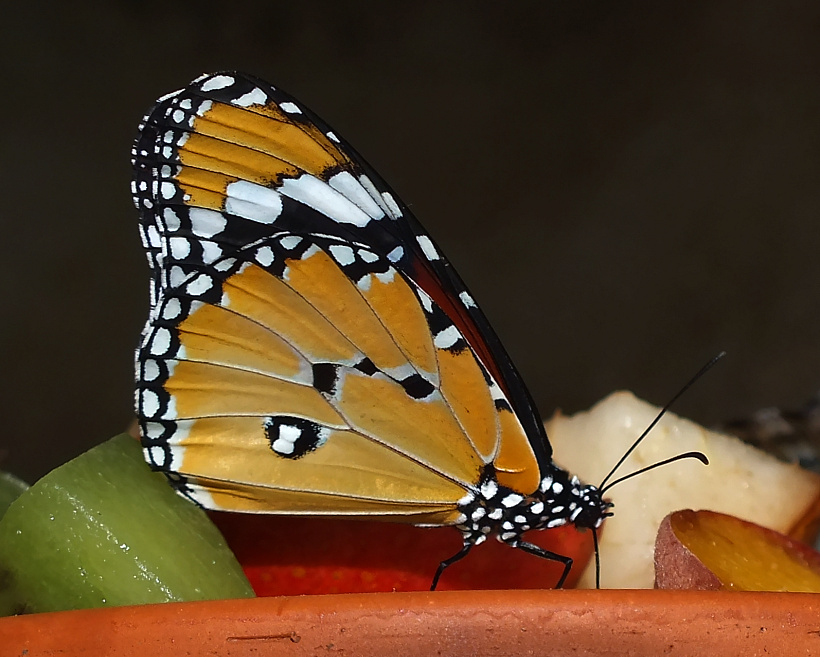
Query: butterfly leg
x: 463, y: 552
x: 530, y: 548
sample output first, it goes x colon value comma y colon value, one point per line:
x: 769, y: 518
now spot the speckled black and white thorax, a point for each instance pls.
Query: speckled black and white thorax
x: 560, y: 499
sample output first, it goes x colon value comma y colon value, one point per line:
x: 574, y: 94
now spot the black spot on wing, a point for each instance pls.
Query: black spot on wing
x: 417, y: 387
x: 325, y: 377
x: 502, y: 404
x: 366, y: 366
x: 293, y: 437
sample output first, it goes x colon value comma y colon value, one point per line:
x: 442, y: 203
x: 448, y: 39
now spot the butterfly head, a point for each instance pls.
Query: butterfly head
x: 567, y: 499
x: 594, y: 509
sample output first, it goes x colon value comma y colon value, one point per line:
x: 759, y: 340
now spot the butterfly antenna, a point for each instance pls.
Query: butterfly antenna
x: 603, y: 487
x: 700, y: 456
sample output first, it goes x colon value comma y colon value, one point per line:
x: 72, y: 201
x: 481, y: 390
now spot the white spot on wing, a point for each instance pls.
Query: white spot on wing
x: 290, y: 108
x: 176, y: 276
x: 171, y: 309
x: 282, y: 446
x: 152, y: 235
x: 180, y: 247
x: 149, y: 403
x: 323, y: 198
x: 150, y: 370
x: 367, y: 256
x: 288, y: 435
x: 350, y: 188
x: 224, y: 264
x: 392, y: 206
x: 342, y: 254
x: 161, y: 342
x: 446, y: 338
x: 204, y: 106
x: 427, y: 247
x: 199, y: 285
x: 426, y: 301
x: 206, y: 223
x: 155, y: 454
x: 495, y: 391
x: 211, y: 251
x: 396, y: 254
x: 251, y: 201
x: 467, y: 300
x: 264, y: 256
x: 218, y: 82
x: 386, y: 277
x: 290, y: 242
x: 375, y: 194
x: 255, y: 97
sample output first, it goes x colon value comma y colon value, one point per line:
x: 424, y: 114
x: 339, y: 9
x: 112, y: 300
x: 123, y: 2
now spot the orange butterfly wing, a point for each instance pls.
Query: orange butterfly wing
x: 308, y: 351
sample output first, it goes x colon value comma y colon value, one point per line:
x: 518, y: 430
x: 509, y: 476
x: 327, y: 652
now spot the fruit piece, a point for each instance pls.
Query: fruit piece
x: 740, y: 480
x: 104, y: 530
x: 714, y: 551
x: 11, y: 488
x: 294, y: 556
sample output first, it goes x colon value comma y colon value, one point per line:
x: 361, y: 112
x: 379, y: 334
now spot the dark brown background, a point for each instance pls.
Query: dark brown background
x: 626, y: 187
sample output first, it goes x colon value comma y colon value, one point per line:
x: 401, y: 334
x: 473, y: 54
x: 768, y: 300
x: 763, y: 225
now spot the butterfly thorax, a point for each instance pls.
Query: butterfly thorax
x: 560, y: 499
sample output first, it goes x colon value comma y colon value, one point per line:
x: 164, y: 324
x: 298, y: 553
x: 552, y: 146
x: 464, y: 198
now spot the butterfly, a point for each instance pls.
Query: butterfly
x: 309, y: 350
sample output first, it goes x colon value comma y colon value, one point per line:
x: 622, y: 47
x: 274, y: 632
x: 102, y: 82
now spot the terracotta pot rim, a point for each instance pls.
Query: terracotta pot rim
x: 449, y: 622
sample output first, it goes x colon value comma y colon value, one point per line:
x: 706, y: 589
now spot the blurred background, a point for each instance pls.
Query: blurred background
x: 627, y: 188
